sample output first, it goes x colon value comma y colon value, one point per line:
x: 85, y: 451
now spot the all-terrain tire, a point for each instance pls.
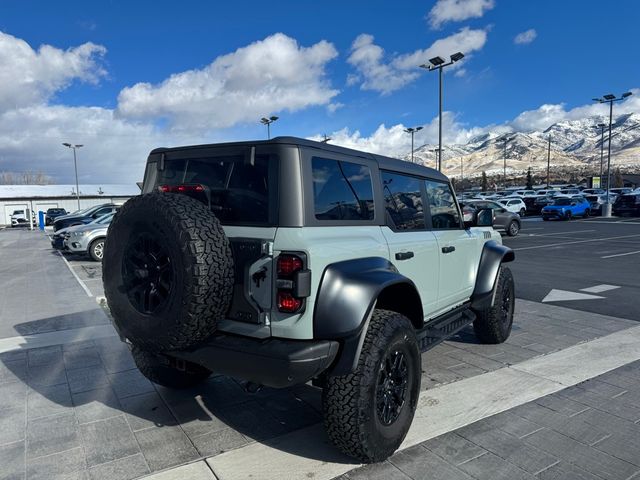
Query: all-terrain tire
x: 168, y: 372
x: 96, y: 250
x: 167, y: 271
x: 493, y: 324
x: 351, y: 402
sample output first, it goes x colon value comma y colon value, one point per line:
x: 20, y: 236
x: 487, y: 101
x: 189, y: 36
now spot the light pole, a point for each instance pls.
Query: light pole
x: 548, y: 161
x: 75, y: 166
x: 504, y: 167
x: 268, y: 122
x: 436, y: 152
x: 609, y: 98
x: 601, y: 126
x: 438, y: 63
x: 412, y: 131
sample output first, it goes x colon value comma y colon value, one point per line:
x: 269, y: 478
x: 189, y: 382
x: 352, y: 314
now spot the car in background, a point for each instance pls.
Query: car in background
x: 593, y: 191
x: 523, y: 193
x: 621, y: 190
x: 569, y: 191
x: 565, y: 208
x: 52, y: 213
x: 84, y: 216
x: 503, y: 219
x: 515, y: 205
x: 627, y: 204
x: 88, y: 239
x: 596, y: 202
x: 20, y: 218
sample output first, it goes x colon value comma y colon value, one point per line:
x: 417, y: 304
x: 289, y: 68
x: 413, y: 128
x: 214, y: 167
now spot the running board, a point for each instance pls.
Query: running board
x: 444, y: 327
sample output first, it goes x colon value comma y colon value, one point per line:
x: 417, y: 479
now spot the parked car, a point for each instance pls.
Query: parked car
x: 88, y: 239
x: 565, y: 208
x: 84, y: 216
x: 523, y: 193
x: 515, y: 205
x: 621, y: 190
x: 20, y: 218
x: 596, y: 202
x: 503, y: 219
x: 627, y: 204
x: 593, y: 191
x: 52, y: 214
x: 196, y: 284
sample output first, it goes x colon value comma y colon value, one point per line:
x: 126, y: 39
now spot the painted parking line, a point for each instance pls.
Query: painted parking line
x: 560, y: 233
x: 75, y: 275
x: 575, y: 242
x: 307, y: 453
x: 599, y: 288
x: 621, y: 254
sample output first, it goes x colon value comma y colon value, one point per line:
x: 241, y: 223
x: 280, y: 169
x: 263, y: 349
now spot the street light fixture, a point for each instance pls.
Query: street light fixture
x: 268, y: 122
x: 412, y: 131
x: 610, y: 98
x: 75, y: 167
x: 438, y: 63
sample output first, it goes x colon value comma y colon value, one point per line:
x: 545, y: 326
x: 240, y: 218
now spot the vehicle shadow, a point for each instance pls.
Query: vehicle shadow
x: 97, y: 380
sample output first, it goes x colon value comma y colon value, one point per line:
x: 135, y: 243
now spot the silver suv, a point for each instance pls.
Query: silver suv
x: 286, y: 261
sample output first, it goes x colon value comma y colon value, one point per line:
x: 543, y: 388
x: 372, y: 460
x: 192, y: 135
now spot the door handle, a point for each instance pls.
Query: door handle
x: 404, y: 255
x: 448, y: 249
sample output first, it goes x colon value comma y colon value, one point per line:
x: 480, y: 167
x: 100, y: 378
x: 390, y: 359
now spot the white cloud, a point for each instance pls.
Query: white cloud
x: 457, y: 10
x: 29, y: 77
x: 264, y: 77
x: 374, y: 72
x: 525, y: 37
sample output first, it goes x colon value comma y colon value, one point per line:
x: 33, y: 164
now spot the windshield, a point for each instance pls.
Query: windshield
x: 104, y: 220
x: 240, y: 188
x: 562, y: 201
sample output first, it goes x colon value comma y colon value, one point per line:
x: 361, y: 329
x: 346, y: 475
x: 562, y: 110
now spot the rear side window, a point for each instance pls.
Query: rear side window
x: 240, y: 188
x: 442, y: 206
x: 403, y: 201
x: 341, y: 190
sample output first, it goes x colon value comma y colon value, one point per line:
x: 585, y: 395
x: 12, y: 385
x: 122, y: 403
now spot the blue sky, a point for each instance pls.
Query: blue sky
x: 580, y: 49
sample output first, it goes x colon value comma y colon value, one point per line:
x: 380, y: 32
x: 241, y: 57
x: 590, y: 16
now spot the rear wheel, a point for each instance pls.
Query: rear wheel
x: 367, y: 413
x: 522, y: 212
x: 587, y: 212
x: 493, y: 324
x: 167, y: 371
x: 568, y: 216
x: 513, y: 228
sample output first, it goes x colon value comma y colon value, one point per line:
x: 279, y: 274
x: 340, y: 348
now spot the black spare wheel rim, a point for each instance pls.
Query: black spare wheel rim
x: 391, y: 388
x: 147, y: 273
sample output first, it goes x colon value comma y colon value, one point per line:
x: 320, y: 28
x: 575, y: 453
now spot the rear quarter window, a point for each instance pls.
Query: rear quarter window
x: 341, y: 190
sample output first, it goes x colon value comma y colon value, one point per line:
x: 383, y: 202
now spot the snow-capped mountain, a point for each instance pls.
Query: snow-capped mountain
x: 574, y: 143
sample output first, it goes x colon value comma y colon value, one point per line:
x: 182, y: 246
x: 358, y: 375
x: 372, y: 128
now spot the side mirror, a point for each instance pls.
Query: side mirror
x: 481, y: 218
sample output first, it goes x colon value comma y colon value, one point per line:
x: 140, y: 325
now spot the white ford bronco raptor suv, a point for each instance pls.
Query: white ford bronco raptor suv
x: 287, y: 261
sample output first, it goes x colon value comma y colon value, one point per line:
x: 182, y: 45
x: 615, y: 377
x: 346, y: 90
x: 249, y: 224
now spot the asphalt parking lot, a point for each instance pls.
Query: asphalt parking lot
x: 590, y: 265
x: 76, y: 407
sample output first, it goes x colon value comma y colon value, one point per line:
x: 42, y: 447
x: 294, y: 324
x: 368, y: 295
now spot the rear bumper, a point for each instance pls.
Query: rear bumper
x: 274, y: 362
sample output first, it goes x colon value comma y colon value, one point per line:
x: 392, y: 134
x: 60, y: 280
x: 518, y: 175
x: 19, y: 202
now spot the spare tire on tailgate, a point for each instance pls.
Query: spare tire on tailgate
x: 167, y: 271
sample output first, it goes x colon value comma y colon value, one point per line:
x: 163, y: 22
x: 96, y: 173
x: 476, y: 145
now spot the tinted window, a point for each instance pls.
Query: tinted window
x: 442, y: 205
x: 341, y: 190
x: 238, y: 187
x: 403, y: 201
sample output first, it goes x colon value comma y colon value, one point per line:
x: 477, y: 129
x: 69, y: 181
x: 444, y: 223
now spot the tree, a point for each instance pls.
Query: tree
x: 485, y: 184
x: 28, y: 177
x: 617, y: 179
x: 529, y: 179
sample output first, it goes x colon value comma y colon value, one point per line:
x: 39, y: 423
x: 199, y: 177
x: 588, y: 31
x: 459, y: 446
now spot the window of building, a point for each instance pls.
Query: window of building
x: 341, y: 190
x: 442, y: 206
x: 403, y: 201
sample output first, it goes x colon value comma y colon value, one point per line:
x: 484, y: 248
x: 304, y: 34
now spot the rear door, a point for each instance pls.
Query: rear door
x: 456, y: 245
x: 413, y: 248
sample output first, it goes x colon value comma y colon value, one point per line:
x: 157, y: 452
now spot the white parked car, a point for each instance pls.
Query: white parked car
x: 515, y: 205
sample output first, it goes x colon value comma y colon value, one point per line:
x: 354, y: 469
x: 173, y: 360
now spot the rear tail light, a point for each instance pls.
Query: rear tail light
x: 293, y: 282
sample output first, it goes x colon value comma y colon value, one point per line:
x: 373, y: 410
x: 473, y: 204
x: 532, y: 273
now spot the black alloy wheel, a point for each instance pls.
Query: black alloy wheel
x: 391, y: 388
x: 147, y: 274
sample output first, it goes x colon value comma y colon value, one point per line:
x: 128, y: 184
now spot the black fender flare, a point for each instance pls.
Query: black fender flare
x: 345, y: 302
x: 493, y: 256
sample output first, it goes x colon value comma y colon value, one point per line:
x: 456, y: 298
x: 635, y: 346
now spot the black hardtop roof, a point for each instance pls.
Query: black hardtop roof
x: 385, y: 163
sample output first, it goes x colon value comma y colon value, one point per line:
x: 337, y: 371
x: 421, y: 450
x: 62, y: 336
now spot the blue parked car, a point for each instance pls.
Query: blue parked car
x: 565, y: 208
